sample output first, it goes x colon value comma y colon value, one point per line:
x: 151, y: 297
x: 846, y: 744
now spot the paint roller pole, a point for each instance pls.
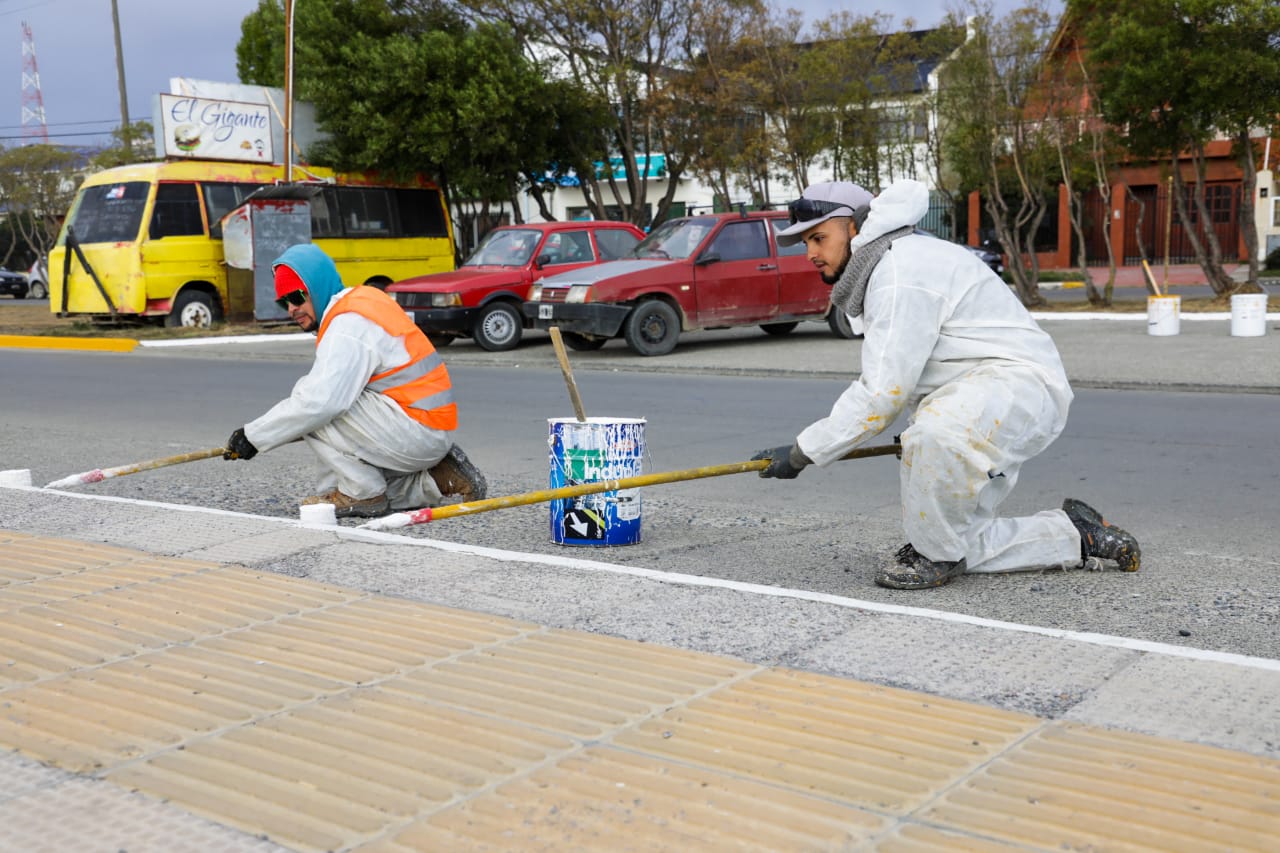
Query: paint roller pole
x: 421, y: 516
x: 563, y: 358
x: 97, y: 475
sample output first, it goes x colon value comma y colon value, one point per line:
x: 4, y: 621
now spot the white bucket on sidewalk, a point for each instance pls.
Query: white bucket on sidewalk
x: 1164, y: 315
x: 1248, y: 315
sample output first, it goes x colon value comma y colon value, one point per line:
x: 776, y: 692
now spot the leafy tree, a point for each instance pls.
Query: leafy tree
x: 141, y: 147
x: 1208, y: 66
x: 37, y: 183
x: 414, y: 88
x: 260, y: 51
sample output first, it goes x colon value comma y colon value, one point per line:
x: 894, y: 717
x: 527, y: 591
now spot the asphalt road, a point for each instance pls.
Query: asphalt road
x: 1193, y: 475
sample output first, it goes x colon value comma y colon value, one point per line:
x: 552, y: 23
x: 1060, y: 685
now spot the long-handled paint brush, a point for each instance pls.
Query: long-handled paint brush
x: 97, y: 475
x: 421, y: 516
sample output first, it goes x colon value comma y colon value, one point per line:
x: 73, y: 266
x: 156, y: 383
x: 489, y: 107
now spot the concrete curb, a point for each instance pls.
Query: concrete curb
x: 50, y: 342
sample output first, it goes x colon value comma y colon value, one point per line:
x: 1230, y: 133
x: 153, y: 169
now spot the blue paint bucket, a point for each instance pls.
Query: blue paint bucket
x: 599, y: 449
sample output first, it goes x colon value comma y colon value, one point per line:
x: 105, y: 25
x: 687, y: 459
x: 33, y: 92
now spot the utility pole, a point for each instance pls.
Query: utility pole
x: 288, y: 91
x: 125, y: 138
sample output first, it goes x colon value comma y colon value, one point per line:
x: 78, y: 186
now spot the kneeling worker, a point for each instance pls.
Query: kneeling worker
x: 947, y: 341
x: 377, y: 407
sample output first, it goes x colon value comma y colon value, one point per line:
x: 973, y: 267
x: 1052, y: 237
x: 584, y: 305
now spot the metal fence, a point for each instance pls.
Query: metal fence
x: 1152, y: 226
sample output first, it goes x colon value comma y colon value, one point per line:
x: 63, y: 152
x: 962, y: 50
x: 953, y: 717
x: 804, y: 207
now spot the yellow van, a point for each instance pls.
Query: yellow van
x: 144, y: 241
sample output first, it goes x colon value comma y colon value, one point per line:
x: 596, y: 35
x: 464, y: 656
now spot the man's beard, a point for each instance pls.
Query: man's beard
x: 833, y: 278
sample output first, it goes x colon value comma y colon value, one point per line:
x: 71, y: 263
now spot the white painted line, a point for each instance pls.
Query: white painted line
x: 380, y: 537
x: 230, y: 339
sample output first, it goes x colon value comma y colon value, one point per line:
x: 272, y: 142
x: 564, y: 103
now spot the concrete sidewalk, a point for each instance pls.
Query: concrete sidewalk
x: 184, y: 679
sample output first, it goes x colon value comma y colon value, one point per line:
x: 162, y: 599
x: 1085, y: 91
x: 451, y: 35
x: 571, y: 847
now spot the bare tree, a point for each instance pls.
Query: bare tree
x: 993, y: 139
x: 623, y: 52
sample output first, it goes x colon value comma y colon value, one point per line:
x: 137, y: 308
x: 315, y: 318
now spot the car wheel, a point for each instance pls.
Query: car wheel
x: 498, y: 327
x: 652, y: 328
x: 583, y: 343
x: 37, y: 290
x: 193, y: 309
x: 842, y: 326
x: 440, y: 341
x: 779, y: 329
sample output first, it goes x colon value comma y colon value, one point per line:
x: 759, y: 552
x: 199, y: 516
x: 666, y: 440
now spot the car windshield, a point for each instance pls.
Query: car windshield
x: 675, y: 239
x: 510, y: 247
x: 110, y: 213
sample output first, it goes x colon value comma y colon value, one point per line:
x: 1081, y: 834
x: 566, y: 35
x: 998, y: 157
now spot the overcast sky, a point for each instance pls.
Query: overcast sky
x: 76, y: 57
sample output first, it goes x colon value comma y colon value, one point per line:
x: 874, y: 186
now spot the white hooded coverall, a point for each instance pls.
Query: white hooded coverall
x: 947, y: 339
x: 364, y: 442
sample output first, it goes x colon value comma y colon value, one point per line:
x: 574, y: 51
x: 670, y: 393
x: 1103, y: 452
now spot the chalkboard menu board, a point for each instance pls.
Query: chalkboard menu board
x: 110, y: 213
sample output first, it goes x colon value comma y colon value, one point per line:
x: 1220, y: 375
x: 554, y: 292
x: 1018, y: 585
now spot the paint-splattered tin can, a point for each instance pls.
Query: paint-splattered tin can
x: 599, y: 449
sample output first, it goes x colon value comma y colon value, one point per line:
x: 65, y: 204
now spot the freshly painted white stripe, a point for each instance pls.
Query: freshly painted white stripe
x: 230, y: 339
x: 381, y: 537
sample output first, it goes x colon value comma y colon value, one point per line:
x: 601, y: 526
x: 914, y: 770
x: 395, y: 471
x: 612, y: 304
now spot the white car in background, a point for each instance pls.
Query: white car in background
x: 38, y: 279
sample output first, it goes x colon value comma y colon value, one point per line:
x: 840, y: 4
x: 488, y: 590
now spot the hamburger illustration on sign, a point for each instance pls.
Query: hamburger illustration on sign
x: 186, y: 137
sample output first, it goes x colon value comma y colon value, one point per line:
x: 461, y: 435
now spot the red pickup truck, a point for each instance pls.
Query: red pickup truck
x: 482, y: 298
x: 696, y: 272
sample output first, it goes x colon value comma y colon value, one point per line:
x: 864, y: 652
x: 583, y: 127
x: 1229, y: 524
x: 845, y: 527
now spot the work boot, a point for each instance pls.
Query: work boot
x: 1100, y: 539
x: 345, y: 506
x: 913, y: 570
x: 455, y: 476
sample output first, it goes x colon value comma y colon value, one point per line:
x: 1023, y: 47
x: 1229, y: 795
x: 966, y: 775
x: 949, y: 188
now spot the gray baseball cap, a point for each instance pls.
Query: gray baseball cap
x: 820, y: 202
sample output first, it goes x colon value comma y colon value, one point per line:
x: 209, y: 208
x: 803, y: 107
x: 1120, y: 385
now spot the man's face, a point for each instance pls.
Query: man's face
x: 827, y: 246
x: 304, y: 315
x: 301, y: 309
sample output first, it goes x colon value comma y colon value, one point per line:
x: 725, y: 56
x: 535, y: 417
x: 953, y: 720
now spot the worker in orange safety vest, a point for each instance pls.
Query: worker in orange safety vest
x: 376, y: 408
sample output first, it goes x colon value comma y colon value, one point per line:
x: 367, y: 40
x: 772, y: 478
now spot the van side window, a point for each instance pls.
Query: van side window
x: 421, y: 213
x: 176, y: 212
x: 222, y: 198
x: 324, y: 214
x: 365, y: 211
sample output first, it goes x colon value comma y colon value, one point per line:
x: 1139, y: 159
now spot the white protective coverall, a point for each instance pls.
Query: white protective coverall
x: 364, y: 442
x: 947, y: 339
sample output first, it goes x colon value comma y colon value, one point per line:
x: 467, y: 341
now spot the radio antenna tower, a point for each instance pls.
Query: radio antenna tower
x: 34, y: 128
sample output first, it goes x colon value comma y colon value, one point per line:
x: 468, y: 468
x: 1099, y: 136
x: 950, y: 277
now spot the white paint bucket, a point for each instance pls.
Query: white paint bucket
x: 17, y: 477
x: 317, y: 515
x: 1248, y: 315
x: 1164, y: 315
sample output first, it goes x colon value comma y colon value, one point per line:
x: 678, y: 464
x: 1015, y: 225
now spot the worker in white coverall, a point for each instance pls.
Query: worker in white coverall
x: 377, y: 406
x: 946, y: 339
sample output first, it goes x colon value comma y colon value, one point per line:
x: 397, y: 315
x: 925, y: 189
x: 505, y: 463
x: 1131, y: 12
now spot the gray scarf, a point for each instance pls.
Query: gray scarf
x: 851, y: 288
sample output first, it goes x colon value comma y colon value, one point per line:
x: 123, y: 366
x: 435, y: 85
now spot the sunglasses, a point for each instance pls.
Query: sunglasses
x: 293, y: 297
x: 806, y: 209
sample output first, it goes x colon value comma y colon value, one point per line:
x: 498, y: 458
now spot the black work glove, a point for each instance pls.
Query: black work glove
x: 785, y: 462
x: 239, y: 447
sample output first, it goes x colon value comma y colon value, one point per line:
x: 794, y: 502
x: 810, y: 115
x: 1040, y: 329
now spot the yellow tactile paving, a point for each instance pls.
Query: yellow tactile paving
x: 330, y: 719
x: 915, y: 838
x: 805, y: 731
x: 609, y: 799
x: 596, y: 683
x: 1077, y: 787
x: 61, y: 587
x: 25, y: 559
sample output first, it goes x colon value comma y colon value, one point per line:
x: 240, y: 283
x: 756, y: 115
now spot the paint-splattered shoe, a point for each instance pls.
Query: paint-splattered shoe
x: 913, y: 570
x: 455, y: 476
x: 345, y: 506
x: 1100, y: 539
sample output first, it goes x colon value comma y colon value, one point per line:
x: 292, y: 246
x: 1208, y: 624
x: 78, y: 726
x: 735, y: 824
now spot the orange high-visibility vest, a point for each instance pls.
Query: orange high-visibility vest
x: 421, y: 385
